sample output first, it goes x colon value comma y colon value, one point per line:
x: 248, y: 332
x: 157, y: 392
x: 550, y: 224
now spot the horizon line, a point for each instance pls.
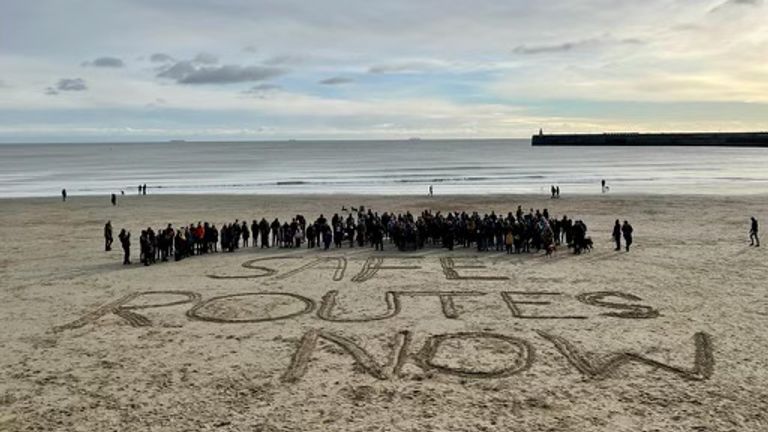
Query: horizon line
x: 321, y: 140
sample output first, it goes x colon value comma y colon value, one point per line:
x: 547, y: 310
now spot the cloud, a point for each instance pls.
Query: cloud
x: 188, y: 72
x: 71, y: 84
x: 205, y: 58
x: 108, y: 62
x: 735, y: 3
x: 261, y: 88
x: 416, y: 66
x: 178, y: 70
x: 263, y: 91
x: 160, y: 58
x: 253, y: 49
x: 203, y: 69
x: 230, y: 74
x: 606, y: 39
x: 66, y: 84
x: 337, y: 80
x: 545, y: 49
x: 3, y: 84
x: 285, y: 59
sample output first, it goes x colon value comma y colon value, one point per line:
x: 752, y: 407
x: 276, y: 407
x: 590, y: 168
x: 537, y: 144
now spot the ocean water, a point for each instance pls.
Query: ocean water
x: 374, y: 167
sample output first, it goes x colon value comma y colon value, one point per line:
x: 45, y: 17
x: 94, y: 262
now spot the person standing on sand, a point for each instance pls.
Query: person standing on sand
x: 245, y: 233
x: 125, y: 242
x: 144, y: 190
x: 275, y: 232
x: 108, y: 236
x: 431, y: 191
x: 114, y: 199
x: 627, y: 230
x: 144, y: 248
x: 255, y: 232
x: 264, y: 233
x: 617, y: 234
x: 327, y: 236
x: 63, y: 195
x: 753, y: 239
x: 603, y: 184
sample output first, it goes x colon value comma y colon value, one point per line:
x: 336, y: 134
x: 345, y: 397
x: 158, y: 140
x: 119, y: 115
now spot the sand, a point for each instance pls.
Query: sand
x: 352, y: 342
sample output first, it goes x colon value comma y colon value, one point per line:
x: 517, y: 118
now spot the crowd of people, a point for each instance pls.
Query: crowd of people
x: 513, y: 233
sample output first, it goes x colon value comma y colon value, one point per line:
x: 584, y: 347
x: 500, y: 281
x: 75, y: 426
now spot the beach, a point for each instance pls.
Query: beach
x: 669, y: 336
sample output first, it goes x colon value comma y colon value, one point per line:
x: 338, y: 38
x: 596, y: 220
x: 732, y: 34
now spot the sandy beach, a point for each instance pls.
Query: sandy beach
x: 668, y: 337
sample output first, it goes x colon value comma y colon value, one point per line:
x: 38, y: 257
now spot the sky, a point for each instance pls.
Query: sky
x: 145, y: 70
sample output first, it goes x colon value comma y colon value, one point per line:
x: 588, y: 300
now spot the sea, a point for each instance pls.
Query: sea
x: 406, y: 167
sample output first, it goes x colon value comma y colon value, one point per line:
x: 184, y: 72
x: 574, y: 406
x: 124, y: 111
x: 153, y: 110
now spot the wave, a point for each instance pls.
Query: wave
x: 511, y: 181
x: 352, y: 181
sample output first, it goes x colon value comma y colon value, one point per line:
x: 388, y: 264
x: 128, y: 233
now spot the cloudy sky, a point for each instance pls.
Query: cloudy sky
x: 133, y: 70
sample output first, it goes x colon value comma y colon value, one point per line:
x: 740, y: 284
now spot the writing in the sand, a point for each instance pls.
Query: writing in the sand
x: 521, y: 305
x: 518, y: 353
x: 452, y: 268
x: 512, y: 354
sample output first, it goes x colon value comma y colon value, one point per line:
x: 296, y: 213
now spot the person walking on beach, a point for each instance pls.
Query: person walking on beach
x: 108, y: 236
x: 431, y: 191
x: 144, y: 189
x: 603, y: 184
x: 753, y: 239
x: 125, y: 242
x: 63, y: 195
x: 114, y: 199
x: 627, y: 230
x: 617, y: 234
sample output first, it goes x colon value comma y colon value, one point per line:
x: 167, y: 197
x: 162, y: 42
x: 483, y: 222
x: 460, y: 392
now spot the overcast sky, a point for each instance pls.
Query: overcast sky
x: 132, y: 70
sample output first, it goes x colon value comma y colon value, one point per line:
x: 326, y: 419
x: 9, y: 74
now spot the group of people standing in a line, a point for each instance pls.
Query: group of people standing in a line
x: 518, y: 232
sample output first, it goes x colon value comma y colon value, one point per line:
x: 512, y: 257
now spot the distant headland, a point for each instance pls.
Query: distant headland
x: 704, y: 139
